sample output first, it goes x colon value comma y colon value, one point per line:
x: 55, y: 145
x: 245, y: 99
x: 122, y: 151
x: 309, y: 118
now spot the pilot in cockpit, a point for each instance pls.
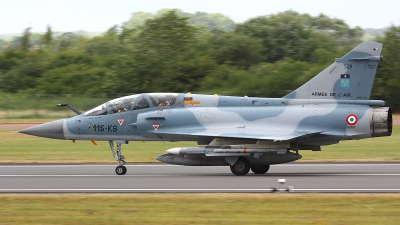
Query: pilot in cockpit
x: 120, y: 107
x: 161, y: 101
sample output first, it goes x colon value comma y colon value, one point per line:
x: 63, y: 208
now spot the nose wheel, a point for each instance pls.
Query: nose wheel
x: 121, y: 169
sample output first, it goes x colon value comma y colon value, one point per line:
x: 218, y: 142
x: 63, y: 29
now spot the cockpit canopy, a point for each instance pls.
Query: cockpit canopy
x: 163, y: 99
x: 134, y: 102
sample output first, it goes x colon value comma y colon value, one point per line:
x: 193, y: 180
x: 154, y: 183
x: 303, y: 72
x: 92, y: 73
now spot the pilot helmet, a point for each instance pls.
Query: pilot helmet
x: 119, y: 104
x: 161, y: 98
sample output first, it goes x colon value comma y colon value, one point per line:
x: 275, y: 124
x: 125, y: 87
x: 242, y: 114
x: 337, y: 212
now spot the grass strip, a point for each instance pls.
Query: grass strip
x: 200, y: 209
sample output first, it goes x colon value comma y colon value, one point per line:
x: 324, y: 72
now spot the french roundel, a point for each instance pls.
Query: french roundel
x: 352, y: 119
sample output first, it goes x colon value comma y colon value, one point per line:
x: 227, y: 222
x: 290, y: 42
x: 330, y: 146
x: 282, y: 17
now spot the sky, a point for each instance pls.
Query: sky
x: 100, y: 15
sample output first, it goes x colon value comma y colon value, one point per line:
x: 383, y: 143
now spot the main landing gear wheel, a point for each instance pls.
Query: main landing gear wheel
x: 259, y: 169
x: 120, y: 170
x: 241, y: 167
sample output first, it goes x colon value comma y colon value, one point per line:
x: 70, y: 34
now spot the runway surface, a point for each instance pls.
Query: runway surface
x: 160, y: 178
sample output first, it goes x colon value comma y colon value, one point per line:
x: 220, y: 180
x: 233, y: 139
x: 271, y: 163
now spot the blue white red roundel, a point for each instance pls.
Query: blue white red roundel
x: 352, y: 119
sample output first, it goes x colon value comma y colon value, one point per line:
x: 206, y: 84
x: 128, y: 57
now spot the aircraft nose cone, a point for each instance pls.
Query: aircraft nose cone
x: 52, y: 129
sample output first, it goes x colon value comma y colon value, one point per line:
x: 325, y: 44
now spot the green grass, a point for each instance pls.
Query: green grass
x: 28, y: 106
x: 20, y: 148
x: 26, y: 121
x: 200, y: 209
x: 35, y: 114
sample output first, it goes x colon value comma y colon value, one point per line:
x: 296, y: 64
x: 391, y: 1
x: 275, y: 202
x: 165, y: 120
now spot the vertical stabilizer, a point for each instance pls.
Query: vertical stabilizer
x: 349, y: 78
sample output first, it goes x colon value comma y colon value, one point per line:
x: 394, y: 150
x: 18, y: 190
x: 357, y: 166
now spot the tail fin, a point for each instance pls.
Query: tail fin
x: 349, y: 78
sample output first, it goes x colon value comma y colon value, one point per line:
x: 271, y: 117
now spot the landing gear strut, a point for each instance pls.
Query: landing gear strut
x: 121, y: 169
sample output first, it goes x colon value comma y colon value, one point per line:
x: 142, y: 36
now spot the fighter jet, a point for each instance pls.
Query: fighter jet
x: 241, y: 132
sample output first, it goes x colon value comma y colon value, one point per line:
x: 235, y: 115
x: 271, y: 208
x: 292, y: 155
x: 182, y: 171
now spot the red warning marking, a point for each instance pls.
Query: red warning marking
x: 120, y: 121
x: 352, y: 119
x: 156, y: 127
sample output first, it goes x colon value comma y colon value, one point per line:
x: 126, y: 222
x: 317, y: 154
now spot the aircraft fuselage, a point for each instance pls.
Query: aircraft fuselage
x: 243, y: 132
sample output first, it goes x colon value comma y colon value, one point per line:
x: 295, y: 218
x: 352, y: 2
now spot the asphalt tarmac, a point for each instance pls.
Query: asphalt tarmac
x: 161, y: 178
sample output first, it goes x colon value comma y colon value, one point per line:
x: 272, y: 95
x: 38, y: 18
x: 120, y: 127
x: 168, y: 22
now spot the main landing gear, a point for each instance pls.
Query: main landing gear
x: 242, y: 167
x: 121, y: 169
x: 259, y: 169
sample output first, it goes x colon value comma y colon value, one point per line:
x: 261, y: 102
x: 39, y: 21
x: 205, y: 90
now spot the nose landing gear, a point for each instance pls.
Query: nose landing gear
x: 121, y: 169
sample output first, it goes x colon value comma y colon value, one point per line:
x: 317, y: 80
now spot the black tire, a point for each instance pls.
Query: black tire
x: 241, y: 167
x: 120, y: 170
x: 259, y: 169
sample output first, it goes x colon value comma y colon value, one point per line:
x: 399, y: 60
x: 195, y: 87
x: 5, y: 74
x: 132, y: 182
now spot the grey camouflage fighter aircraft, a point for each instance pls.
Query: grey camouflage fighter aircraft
x: 241, y: 132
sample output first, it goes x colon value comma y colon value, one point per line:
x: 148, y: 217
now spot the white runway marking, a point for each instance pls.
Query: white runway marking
x: 339, y: 163
x: 168, y: 165
x: 196, y: 190
x: 169, y: 175
x: 85, y: 165
x: 144, y: 178
x: 88, y: 175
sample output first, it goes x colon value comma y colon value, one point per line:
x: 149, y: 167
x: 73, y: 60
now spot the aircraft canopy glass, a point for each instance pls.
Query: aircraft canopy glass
x: 142, y: 103
x: 124, y: 104
x: 163, y: 99
x: 99, y: 110
x: 121, y: 104
x: 118, y: 105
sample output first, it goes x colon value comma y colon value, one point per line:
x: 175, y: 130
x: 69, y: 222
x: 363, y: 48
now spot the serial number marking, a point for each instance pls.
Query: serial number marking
x: 104, y: 128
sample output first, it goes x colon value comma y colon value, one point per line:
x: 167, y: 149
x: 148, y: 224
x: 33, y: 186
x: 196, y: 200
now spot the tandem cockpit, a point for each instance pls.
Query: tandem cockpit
x: 242, y: 132
x: 134, y: 102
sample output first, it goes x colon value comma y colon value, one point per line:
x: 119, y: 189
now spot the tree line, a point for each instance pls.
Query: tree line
x: 176, y: 52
